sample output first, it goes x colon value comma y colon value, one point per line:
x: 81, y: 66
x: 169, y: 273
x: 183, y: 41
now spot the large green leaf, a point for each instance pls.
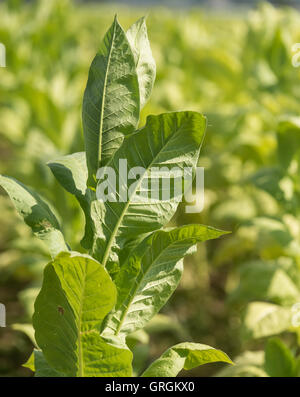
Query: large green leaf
x: 184, y: 356
x: 36, y: 213
x: 76, y: 295
x: 151, y: 274
x: 168, y: 140
x: 145, y: 64
x: 71, y: 172
x: 111, y: 102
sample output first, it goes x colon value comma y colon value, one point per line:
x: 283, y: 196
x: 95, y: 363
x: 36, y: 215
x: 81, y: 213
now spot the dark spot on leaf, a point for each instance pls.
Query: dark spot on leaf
x: 61, y: 310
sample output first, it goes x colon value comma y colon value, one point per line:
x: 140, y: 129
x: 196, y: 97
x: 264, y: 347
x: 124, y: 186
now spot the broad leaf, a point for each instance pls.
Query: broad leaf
x: 111, y: 102
x: 151, y: 274
x: 184, y: 356
x: 76, y: 295
x: 71, y: 172
x: 145, y: 64
x: 168, y: 140
x: 36, y: 213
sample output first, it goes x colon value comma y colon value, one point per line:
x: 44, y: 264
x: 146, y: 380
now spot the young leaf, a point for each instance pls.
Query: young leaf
x: 111, y: 102
x: 145, y: 64
x: 76, y: 295
x: 36, y: 214
x: 184, y: 356
x: 71, y: 172
x: 151, y: 274
x: 30, y: 362
x: 169, y: 140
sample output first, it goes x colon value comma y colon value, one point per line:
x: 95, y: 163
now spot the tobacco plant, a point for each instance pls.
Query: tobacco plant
x: 90, y: 302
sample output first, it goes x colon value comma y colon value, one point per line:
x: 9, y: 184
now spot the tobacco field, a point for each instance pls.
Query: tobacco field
x: 238, y: 296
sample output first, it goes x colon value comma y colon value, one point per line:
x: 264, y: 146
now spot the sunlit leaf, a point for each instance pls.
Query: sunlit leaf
x: 184, y: 356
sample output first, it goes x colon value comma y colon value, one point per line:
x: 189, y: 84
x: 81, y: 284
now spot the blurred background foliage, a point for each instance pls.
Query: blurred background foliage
x: 237, y: 292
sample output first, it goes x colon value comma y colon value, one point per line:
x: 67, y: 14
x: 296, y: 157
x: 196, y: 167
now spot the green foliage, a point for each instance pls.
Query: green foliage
x: 36, y: 214
x: 184, y: 356
x: 151, y: 274
x: 111, y: 102
x: 237, y: 71
x: 166, y: 139
x: 76, y: 295
x: 39, y: 365
x: 279, y: 361
x: 88, y: 304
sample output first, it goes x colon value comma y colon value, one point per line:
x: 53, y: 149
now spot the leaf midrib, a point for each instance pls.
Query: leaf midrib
x: 104, y: 94
x: 80, y: 353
